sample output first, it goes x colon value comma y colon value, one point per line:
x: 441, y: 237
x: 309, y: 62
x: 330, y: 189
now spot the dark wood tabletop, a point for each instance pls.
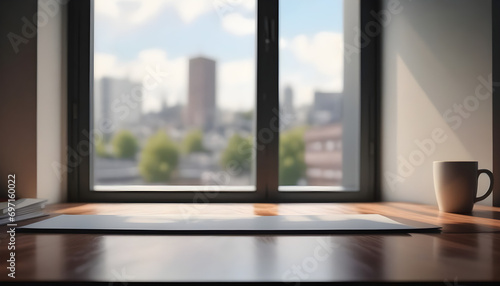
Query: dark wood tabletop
x: 467, y: 250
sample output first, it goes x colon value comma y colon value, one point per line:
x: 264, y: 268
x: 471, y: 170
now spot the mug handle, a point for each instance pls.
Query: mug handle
x: 490, y: 189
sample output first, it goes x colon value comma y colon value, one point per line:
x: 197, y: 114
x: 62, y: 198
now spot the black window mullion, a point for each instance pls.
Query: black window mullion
x: 370, y: 106
x: 79, y: 86
x: 267, y: 131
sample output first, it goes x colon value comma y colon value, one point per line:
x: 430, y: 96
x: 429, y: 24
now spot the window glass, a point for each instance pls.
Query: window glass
x: 174, y: 93
x: 319, y: 98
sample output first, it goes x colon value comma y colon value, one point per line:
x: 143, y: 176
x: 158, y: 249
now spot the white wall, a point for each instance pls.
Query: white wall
x: 51, y: 109
x: 436, y: 56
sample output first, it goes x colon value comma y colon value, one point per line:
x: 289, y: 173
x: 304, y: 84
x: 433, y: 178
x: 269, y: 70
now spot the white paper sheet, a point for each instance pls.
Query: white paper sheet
x: 222, y: 224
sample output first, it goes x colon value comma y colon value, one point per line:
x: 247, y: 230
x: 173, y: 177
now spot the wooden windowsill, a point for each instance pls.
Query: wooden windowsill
x: 483, y: 218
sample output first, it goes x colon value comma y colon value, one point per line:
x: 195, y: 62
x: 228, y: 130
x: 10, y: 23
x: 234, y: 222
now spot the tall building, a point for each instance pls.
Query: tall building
x: 288, y: 111
x: 114, y: 104
x: 288, y: 100
x: 201, y: 109
x: 326, y: 109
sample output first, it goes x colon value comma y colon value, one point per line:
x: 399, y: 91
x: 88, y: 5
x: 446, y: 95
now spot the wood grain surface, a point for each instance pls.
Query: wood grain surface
x: 467, y: 250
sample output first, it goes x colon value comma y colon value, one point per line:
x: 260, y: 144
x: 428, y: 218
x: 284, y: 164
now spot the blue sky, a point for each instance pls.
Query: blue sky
x: 302, y: 16
x: 185, y: 28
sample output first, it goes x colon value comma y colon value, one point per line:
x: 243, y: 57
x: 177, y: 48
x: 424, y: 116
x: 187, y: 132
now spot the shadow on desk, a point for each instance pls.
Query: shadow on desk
x: 487, y: 214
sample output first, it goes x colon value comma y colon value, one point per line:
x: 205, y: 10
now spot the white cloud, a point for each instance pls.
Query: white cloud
x: 223, y: 7
x: 249, y: 5
x: 324, y: 51
x: 136, y: 70
x: 171, y: 87
x: 191, y: 9
x: 236, y: 85
x: 140, y: 11
x: 237, y: 24
x: 321, y: 61
x: 105, y: 65
x: 283, y: 43
x: 131, y: 11
x: 235, y: 16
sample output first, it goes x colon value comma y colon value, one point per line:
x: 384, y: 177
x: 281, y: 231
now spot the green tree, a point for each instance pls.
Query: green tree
x: 101, y: 148
x: 238, y: 153
x: 292, y: 165
x: 125, y: 145
x: 193, y: 142
x: 159, y: 158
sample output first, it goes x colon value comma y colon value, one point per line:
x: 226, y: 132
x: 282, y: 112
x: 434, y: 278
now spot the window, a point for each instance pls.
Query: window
x: 221, y: 101
x: 175, y: 105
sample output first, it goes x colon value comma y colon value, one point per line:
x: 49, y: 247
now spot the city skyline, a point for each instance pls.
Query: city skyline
x: 322, y: 100
x: 204, y: 31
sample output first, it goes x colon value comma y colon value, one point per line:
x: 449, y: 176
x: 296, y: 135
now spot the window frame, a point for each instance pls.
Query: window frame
x: 495, y: 11
x: 80, y: 85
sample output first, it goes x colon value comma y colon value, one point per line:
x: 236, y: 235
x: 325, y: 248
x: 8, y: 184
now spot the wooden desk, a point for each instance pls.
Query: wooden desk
x: 467, y: 250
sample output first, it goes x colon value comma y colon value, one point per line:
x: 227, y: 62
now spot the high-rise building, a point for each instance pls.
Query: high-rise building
x: 115, y: 108
x: 201, y: 109
x: 287, y: 110
x: 326, y: 109
x: 288, y: 100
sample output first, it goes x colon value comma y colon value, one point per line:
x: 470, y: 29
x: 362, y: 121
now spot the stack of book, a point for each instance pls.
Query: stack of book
x: 21, y: 209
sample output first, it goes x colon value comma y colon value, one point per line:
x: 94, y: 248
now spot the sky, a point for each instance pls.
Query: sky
x: 132, y: 37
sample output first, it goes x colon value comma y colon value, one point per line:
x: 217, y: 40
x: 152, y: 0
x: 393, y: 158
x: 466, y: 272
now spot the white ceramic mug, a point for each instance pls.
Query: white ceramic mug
x: 455, y: 184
